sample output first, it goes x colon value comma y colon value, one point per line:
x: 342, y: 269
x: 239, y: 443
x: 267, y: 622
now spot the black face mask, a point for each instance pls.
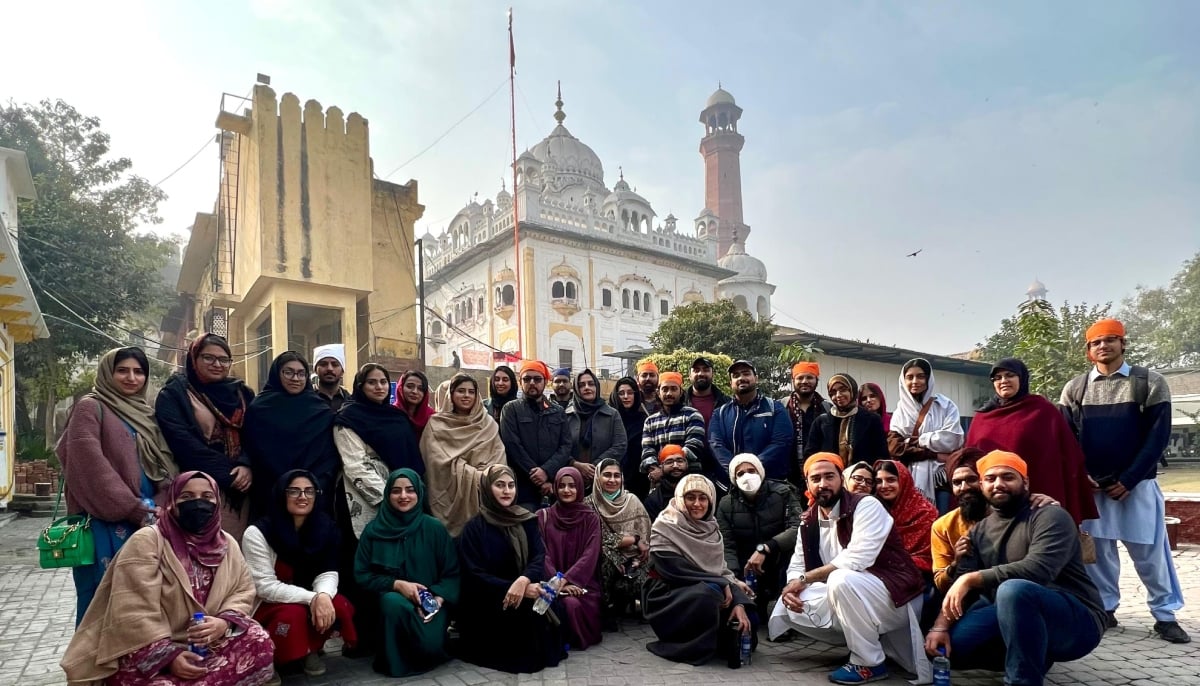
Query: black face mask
x: 194, y: 515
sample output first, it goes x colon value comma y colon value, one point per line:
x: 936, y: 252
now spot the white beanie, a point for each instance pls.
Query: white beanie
x: 741, y: 459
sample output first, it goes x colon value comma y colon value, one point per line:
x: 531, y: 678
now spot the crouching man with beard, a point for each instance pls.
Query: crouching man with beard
x: 1021, y: 575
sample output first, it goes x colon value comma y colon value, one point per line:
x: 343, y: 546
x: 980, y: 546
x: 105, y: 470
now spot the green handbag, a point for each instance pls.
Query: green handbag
x: 67, y: 542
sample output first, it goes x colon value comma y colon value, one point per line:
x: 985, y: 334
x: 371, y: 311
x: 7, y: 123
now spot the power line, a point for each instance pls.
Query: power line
x: 208, y: 141
x: 447, y: 131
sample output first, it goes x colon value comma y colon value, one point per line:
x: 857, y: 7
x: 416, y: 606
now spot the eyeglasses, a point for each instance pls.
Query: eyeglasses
x: 297, y: 492
x: 674, y: 460
x: 213, y: 359
x: 863, y: 480
x: 533, y: 379
x: 293, y: 373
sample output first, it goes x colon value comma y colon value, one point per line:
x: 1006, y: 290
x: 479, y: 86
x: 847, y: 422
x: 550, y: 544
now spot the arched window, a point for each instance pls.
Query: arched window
x: 662, y: 307
x: 470, y: 308
x: 498, y: 294
x: 435, y: 328
x: 509, y: 295
x: 625, y: 298
x: 637, y: 301
x: 645, y: 302
x: 605, y: 297
x: 479, y: 307
x: 571, y: 291
x: 557, y: 290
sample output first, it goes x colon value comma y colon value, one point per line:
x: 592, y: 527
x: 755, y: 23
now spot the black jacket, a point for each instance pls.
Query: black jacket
x: 867, y: 437
x: 772, y: 518
x: 534, y: 437
x: 175, y: 416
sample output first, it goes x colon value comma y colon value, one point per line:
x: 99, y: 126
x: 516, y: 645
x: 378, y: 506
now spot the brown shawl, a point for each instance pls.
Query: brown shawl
x: 146, y: 596
x: 624, y: 514
x: 457, y: 450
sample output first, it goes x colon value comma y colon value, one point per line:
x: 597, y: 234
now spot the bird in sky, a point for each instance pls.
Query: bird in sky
x: 914, y: 254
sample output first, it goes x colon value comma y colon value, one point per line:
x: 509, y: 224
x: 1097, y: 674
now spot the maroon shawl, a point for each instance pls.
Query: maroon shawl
x: 209, y: 546
x: 1033, y: 428
x: 571, y: 533
x: 883, y: 413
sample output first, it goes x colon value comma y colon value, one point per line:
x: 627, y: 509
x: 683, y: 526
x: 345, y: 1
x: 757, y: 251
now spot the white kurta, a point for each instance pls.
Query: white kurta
x: 941, y: 431
x: 853, y: 607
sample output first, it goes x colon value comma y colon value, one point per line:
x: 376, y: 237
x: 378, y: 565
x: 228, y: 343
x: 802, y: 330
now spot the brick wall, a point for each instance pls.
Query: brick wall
x: 26, y: 474
x: 1187, y: 509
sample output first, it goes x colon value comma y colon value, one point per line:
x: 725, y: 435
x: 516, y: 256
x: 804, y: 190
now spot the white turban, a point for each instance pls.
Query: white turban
x: 335, y: 350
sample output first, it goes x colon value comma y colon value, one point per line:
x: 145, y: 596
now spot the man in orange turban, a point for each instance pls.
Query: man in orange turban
x: 1122, y: 416
x: 536, y: 436
x: 851, y: 582
x: 1026, y: 566
x: 647, y: 378
x: 804, y: 405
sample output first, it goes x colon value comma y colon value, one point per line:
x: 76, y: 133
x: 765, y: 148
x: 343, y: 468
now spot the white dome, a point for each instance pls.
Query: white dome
x: 720, y: 97
x: 569, y: 155
x: 746, y: 266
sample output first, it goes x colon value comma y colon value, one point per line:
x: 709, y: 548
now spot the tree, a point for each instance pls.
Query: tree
x: 1164, y: 323
x: 78, y: 244
x: 722, y: 328
x: 1050, y: 342
x: 681, y: 361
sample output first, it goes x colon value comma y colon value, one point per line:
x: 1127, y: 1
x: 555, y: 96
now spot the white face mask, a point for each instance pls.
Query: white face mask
x: 749, y: 483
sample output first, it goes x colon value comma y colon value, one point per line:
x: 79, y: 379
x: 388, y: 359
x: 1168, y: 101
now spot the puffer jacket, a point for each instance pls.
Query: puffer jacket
x: 772, y: 517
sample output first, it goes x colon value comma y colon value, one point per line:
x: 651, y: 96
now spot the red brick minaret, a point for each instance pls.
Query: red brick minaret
x: 721, y: 147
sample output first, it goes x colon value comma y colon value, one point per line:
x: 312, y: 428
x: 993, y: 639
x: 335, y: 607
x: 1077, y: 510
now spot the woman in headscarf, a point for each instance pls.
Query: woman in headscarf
x: 912, y: 514
x: 627, y: 398
x: 503, y: 562
x: 925, y: 431
x: 502, y: 389
x: 459, y: 443
x: 871, y: 399
x: 860, y: 478
x: 847, y: 429
x: 116, y: 463
x: 696, y: 606
x: 598, y: 430
x: 289, y: 426
x: 132, y: 637
x: 373, y: 439
x: 412, y: 396
x: 624, y: 542
x: 292, y: 553
x: 1032, y: 427
x: 403, y: 552
x: 571, y: 532
x: 201, y: 412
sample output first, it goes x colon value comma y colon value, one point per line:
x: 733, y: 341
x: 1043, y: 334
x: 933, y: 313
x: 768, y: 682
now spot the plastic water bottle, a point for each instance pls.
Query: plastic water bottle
x: 941, y: 669
x: 200, y: 650
x: 549, y: 593
x: 745, y: 647
x: 752, y: 581
x: 150, y: 505
x: 428, y: 603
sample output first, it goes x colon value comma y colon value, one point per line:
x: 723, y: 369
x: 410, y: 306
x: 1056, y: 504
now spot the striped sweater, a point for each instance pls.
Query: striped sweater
x: 680, y: 425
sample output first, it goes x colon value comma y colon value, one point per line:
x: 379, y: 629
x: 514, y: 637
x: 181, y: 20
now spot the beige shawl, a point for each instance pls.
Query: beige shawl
x: 623, y: 515
x: 157, y: 461
x: 457, y: 449
x: 696, y: 540
x: 146, y: 596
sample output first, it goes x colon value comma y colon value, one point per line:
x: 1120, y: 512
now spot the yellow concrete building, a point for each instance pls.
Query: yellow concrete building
x: 20, y: 319
x: 305, y: 247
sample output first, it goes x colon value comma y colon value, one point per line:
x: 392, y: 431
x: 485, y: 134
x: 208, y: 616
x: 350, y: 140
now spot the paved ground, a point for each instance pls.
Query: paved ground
x: 37, y: 618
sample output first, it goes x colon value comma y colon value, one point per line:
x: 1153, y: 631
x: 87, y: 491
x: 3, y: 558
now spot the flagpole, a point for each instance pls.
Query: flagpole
x: 512, y: 105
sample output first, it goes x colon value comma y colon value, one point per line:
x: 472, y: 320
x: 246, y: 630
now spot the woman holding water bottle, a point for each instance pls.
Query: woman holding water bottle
x: 140, y: 628
x: 571, y: 531
x: 409, y: 559
x: 116, y: 462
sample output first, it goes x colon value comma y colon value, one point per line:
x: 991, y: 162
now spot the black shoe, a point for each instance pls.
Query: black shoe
x: 1110, y: 620
x: 1172, y: 632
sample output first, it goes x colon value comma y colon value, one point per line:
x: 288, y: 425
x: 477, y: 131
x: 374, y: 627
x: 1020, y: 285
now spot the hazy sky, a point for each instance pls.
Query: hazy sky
x: 1007, y: 141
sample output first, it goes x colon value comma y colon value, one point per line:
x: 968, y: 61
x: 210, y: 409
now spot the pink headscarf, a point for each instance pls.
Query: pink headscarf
x: 209, y: 546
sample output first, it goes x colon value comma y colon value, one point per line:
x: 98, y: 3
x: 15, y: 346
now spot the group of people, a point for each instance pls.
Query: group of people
x: 301, y: 512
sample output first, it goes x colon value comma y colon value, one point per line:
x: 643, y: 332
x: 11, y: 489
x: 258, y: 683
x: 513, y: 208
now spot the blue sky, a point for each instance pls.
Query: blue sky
x: 1058, y: 140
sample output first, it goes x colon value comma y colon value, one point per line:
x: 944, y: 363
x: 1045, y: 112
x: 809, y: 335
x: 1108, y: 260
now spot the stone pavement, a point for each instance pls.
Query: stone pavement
x: 37, y: 619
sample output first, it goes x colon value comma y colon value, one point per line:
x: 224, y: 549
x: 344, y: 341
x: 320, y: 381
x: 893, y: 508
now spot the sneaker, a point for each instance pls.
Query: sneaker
x: 313, y: 665
x: 1172, y: 632
x: 275, y: 680
x: 1110, y: 620
x: 851, y: 673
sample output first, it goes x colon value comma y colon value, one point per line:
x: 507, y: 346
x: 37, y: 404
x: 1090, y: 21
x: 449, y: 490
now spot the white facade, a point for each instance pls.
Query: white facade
x: 598, y: 273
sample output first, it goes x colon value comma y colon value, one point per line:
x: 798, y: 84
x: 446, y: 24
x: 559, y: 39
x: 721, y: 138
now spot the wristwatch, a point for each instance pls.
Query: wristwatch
x: 763, y: 548
x: 803, y: 578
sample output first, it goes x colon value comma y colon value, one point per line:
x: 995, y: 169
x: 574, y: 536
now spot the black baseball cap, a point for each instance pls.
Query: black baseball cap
x: 702, y: 362
x: 743, y: 363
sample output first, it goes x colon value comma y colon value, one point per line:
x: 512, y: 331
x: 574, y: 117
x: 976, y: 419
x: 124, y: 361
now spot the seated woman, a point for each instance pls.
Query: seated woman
x: 459, y: 443
x: 571, y: 532
x: 696, y: 606
x: 846, y: 429
x: 912, y: 514
x: 624, y: 542
x: 292, y: 553
x: 115, y: 462
x: 132, y: 637
x: 871, y: 399
x: 503, y: 561
x: 860, y: 478
x: 402, y: 553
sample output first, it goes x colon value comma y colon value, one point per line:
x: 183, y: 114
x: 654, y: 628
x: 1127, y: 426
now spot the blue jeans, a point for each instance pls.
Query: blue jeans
x: 1020, y: 622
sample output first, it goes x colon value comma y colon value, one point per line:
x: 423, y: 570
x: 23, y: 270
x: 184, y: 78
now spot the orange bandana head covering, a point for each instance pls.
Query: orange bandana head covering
x: 535, y: 366
x: 670, y: 378
x: 1001, y: 458
x: 670, y: 451
x: 647, y: 366
x: 824, y: 457
x: 806, y: 368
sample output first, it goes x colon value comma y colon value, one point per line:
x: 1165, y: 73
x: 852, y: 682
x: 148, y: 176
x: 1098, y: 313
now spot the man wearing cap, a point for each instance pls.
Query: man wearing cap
x: 536, y: 436
x: 329, y: 364
x: 1025, y: 566
x: 647, y: 378
x: 674, y: 424
x: 751, y: 423
x: 1122, y: 416
x: 560, y: 381
x: 672, y: 465
x: 804, y: 405
x: 851, y: 582
x: 703, y: 394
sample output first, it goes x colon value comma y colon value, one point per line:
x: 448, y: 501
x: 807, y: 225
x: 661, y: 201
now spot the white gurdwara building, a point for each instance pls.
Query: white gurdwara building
x: 598, y: 270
